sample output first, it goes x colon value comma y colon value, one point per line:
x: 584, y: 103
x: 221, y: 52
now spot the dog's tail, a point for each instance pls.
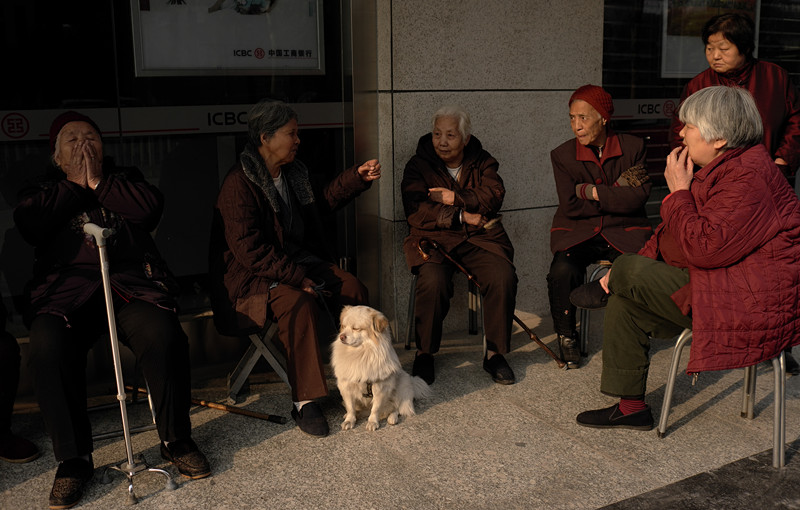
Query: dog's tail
x: 421, y: 388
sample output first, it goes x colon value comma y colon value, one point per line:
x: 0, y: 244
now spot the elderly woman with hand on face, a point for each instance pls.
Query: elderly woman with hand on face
x: 451, y: 195
x: 68, y: 309
x: 602, y: 187
x: 268, y: 258
x: 725, y: 261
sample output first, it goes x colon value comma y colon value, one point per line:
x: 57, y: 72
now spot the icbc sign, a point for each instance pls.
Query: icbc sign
x: 15, y: 125
x: 258, y: 53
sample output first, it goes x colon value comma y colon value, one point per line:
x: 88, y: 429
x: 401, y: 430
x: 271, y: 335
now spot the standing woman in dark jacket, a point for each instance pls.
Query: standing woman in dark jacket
x: 450, y: 190
x: 602, y: 187
x: 268, y: 258
x: 67, y: 307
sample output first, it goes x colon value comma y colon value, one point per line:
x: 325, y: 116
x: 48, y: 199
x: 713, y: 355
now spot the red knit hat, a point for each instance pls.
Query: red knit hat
x: 64, y: 119
x: 597, y: 97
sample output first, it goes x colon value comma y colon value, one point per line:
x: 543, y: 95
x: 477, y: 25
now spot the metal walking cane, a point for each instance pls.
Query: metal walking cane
x: 134, y: 465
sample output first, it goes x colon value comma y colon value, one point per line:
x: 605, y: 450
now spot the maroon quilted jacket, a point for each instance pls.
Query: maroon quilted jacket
x: 739, y: 228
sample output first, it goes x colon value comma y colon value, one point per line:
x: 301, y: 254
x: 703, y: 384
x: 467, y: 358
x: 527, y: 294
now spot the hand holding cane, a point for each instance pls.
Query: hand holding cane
x: 423, y: 247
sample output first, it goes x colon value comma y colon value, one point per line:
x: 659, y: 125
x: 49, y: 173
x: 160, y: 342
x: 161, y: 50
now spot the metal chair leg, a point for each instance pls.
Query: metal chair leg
x: 779, y: 418
x: 410, y: 322
x: 583, y: 316
x: 683, y: 338
x: 749, y: 392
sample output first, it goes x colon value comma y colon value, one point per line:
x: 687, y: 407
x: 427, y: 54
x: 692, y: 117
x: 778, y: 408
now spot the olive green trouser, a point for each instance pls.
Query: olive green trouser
x: 639, y: 307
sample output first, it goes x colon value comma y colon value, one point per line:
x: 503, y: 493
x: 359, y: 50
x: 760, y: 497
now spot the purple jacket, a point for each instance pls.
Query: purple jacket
x: 66, y: 268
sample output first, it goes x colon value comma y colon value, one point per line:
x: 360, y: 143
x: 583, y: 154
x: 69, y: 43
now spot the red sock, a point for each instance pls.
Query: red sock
x: 631, y: 405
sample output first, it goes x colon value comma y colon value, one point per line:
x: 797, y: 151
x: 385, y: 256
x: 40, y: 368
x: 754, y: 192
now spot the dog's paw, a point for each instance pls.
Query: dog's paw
x: 393, y: 418
x: 373, y: 425
x: 348, y: 424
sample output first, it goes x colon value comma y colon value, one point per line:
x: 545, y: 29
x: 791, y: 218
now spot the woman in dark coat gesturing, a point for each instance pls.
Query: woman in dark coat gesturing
x: 450, y: 190
x: 268, y: 259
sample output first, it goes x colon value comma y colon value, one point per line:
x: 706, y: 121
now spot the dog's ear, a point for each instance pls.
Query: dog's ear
x: 379, y: 322
x: 345, y: 308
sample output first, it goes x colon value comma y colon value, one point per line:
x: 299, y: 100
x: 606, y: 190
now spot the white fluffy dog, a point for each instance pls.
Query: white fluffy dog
x: 368, y: 371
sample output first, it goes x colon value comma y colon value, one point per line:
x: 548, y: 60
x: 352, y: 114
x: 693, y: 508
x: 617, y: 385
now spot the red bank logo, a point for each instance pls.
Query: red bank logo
x: 258, y: 53
x: 15, y: 125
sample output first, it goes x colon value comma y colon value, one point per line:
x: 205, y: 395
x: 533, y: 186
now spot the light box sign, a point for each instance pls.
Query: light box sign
x: 227, y: 37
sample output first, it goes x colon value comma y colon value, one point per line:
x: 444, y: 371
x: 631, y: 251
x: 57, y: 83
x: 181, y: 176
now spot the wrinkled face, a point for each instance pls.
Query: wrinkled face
x: 448, y: 142
x: 587, y: 123
x: 701, y: 151
x: 71, y: 140
x: 722, y: 55
x: 282, y: 146
x: 360, y: 325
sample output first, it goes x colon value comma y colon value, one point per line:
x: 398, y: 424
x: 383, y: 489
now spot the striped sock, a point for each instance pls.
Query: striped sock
x: 631, y: 405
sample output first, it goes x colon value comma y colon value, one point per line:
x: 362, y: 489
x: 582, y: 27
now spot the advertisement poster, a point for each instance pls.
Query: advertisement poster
x: 224, y: 37
x: 682, y: 51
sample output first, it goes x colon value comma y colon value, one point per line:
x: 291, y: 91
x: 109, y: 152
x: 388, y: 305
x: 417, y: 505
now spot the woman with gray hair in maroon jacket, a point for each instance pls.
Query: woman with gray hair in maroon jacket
x: 725, y: 261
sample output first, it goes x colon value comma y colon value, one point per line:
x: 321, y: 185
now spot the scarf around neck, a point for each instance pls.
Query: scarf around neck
x: 295, y: 174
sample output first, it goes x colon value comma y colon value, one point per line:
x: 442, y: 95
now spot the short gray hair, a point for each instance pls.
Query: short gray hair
x: 266, y: 117
x: 460, y: 114
x: 724, y: 113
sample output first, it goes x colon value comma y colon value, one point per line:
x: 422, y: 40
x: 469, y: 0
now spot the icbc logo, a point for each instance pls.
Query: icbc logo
x: 669, y: 108
x: 15, y: 125
x: 258, y: 53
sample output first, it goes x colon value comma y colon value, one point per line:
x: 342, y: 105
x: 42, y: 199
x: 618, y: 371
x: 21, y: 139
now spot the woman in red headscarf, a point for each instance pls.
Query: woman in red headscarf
x: 602, y: 187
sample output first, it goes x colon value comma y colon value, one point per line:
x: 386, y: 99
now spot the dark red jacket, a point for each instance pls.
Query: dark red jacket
x: 739, y: 228
x: 247, y: 253
x: 66, y: 268
x: 478, y: 190
x: 619, y: 216
x: 776, y: 97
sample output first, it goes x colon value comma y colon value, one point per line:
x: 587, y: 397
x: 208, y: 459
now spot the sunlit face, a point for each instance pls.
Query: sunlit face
x: 448, y: 142
x: 701, y: 151
x: 281, y: 147
x: 73, y: 137
x: 722, y: 55
x: 587, y: 123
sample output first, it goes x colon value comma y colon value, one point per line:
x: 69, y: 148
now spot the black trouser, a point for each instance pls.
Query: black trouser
x: 567, y: 272
x: 58, y: 358
x: 9, y: 378
x: 497, y: 279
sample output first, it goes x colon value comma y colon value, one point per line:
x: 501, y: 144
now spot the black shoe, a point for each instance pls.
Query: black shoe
x: 589, y: 296
x: 570, y: 350
x: 423, y: 367
x: 71, y: 477
x: 611, y: 417
x: 187, y: 457
x: 498, y: 368
x: 311, y: 420
x: 17, y: 449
